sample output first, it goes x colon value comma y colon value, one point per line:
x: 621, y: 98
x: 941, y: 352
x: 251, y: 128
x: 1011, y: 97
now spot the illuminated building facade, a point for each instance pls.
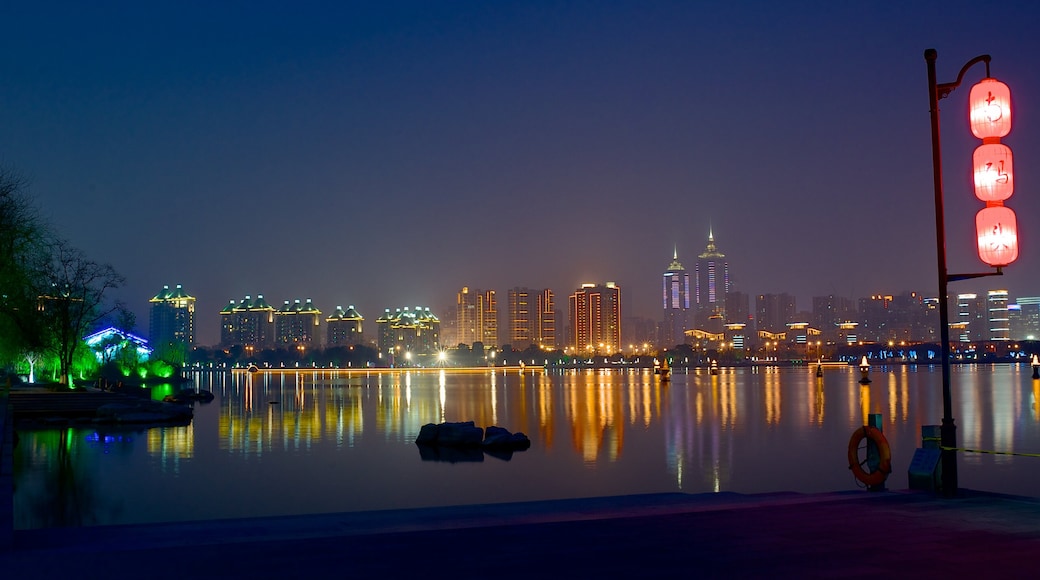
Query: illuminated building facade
x: 297, y: 324
x: 171, y: 320
x: 997, y: 307
x: 711, y: 285
x: 532, y: 318
x: 249, y: 323
x: 1024, y: 318
x: 971, y: 318
x: 676, y: 303
x: 476, y: 317
x: 344, y: 327
x: 408, y: 331
x: 595, y: 318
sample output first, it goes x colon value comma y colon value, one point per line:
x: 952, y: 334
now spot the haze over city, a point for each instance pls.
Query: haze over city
x: 387, y: 155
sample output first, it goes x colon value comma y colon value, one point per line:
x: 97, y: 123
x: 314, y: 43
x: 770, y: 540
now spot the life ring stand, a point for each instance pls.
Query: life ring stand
x: 877, y: 477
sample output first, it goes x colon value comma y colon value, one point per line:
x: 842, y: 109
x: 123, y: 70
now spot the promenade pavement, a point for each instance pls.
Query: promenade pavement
x: 728, y: 535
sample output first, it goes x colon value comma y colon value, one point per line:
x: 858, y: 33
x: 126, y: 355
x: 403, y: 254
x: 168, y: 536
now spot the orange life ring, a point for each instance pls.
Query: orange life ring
x: 874, y: 478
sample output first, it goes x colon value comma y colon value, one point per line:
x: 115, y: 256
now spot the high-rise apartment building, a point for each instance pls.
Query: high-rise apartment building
x: 829, y: 312
x: 676, y: 303
x: 344, y: 327
x: 532, y: 318
x: 297, y: 324
x: 773, y: 312
x: 407, y: 333
x: 711, y: 284
x: 171, y: 320
x: 249, y: 323
x: 595, y: 318
x: 476, y: 317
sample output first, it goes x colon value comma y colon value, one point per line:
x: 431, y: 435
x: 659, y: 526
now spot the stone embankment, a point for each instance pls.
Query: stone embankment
x: 44, y: 408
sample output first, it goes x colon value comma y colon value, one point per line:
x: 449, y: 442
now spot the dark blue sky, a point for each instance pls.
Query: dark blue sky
x: 385, y: 154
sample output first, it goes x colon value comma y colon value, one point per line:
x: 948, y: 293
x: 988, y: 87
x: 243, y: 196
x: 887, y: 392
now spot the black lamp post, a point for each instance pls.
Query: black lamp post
x: 948, y: 430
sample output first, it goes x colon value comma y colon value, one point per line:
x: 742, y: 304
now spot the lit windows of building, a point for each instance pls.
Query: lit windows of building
x: 971, y: 318
x: 997, y: 306
x: 297, y: 324
x: 344, y: 327
x: 531, y: 318
x: 595, y: 318
x: 249, y: 323
x: 408, y: 331
x: 711, y: 284
x: 171, y: 319
x: 1025, y: 318
x: 476, y: 317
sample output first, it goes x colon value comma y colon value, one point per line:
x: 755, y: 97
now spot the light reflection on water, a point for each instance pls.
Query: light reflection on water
x: 317, y: 441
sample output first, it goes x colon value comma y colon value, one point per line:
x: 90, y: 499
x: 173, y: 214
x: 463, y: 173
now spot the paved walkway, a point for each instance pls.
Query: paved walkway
x: 848, y: 534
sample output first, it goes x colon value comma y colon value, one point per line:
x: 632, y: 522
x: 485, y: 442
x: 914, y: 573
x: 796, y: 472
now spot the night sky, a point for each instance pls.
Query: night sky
x: 386, y: 154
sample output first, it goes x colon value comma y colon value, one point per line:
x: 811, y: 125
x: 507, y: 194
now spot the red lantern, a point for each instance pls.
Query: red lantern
x: 997, y: 231
x: 989, y: 109
x: 994, y: 177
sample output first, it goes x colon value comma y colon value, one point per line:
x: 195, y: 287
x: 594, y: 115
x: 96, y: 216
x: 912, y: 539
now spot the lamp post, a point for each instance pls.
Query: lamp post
x: 994, y: 236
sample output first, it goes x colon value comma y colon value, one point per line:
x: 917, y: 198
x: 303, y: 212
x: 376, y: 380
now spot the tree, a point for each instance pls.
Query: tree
x: 75, y: 300
x: 24, y: 255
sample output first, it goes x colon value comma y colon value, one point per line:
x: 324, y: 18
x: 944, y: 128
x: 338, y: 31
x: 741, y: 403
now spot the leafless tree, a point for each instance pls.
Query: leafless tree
x: 76, y: 300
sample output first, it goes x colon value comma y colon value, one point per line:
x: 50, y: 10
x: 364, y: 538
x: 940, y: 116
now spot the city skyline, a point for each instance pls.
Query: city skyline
x: 386, y: 155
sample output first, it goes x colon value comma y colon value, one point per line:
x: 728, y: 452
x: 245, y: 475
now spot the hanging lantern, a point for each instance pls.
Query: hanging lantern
x: 994, y: 177
x: 997, y: 231
x: 989, y: 109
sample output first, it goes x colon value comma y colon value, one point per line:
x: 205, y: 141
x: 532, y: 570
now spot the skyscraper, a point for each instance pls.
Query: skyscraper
x: 532, y: 318
x: 172, y: 319
x: 476, y: 317
x: 595, y: 318
x: 676, y: 303
x: 711, y: 284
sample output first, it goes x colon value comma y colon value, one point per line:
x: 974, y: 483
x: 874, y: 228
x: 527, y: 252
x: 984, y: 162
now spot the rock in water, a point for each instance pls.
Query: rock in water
x: 451, y: 434
x: 499, y: 438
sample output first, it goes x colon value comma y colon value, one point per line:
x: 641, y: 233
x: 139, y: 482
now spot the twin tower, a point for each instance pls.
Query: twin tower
x: 700, y: 305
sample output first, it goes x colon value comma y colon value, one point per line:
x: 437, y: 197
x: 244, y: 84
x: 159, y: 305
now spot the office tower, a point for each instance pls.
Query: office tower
x: 476, y: 317
x: 406, y: 333
x: 249, y: 324
x: 997, y: 305
x: 297, y: 324
x: 595, y: 318
x: 676, y: 303
x: 971, y: 318
x: 711, y: 284
x: 171, y: 320
x: 344, y: 327
x: 1025, y: 318
x: 531, y: 318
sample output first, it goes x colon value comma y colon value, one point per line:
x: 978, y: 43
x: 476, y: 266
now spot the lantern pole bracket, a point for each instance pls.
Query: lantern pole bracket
x: 956, y: 277
x: 943, y: 90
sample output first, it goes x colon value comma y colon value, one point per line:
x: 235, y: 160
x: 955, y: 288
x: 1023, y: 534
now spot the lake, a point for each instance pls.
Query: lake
x: 281, y: 443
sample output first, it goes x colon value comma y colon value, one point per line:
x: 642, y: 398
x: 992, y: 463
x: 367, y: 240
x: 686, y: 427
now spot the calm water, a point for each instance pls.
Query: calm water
x: 336, y: 443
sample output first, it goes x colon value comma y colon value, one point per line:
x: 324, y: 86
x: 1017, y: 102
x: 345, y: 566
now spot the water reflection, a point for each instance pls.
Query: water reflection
x: 347, y: 439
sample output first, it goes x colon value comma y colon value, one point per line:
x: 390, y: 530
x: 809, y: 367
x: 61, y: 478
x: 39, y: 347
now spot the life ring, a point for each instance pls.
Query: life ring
x: 874, y: 478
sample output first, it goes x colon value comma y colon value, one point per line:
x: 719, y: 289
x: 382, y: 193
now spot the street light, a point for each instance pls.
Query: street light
x: 990, y: 118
